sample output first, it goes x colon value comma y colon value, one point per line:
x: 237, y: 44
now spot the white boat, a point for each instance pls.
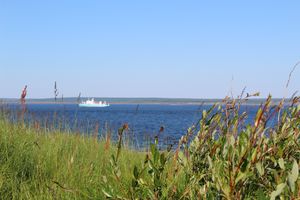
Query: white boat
x: 93, y: 103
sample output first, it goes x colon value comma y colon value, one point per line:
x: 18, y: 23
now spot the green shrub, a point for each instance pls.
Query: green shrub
x: 226, y: 159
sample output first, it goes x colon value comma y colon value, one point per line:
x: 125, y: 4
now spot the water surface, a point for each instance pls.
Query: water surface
x: 144, y: 120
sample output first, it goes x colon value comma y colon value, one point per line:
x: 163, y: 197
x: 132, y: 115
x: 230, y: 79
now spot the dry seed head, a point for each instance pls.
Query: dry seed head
x: 125, y: 126
x: 161, y: 129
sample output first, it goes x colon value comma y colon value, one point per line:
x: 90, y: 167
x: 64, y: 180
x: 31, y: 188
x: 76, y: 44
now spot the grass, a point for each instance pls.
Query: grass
x: 221, y: 157
x: 36, y: 164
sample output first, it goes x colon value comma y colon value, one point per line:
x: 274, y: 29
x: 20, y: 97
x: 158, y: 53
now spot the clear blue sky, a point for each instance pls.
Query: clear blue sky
x: 193, y: 49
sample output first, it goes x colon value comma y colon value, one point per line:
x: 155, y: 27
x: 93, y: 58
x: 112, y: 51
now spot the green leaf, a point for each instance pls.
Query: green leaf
x: 150, y: 171
x: 162, y: 159
x: 258, y: 114
x: 153, y: 168
x: 225, y: 150
x: 210, y: 162
x: 291, y: 183
x: 157, y: 181
x: 104, y: 179
x: 298, y: 107
x: 242, y: 176
x: 142, y: 182
x: 295, y: 171
x: 226, y: 189
x: 153, y: 148
x: 278, y: 191
x: 245, y: 165
x: 281, y: 163
x: 118, y: 173
x: 231, y: 140
x: 254, y: 155
x: 135, y: 172
x: 107, y: 194
x: 261, y: 195
x: 293, y: 176
x: 260, y: 168
x: 204, y: 114
x: 113, y: 160
x: 155, y: 153
x: 134, y: 183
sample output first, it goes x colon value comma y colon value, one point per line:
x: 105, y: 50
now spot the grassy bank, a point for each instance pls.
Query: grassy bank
x: 221, y: 157
x: 36, y: 164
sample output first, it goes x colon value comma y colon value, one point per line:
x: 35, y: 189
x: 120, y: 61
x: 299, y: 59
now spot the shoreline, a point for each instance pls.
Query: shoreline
x: 136, y: 103
x: 140, y: 101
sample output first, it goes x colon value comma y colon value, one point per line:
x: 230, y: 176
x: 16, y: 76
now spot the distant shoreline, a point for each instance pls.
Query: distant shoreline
x: 115, y: 103
x: 139, y: 102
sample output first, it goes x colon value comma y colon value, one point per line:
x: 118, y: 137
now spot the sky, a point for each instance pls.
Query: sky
x: 169, y: 48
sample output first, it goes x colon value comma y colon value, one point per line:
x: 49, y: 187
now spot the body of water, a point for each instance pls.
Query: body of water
x: 144, y: 120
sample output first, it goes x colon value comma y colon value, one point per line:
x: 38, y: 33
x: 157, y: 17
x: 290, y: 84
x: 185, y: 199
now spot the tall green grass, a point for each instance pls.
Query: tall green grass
x: 35, y: 164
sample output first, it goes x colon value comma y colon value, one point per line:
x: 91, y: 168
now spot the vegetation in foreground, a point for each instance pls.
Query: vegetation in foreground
x: 221, y: 157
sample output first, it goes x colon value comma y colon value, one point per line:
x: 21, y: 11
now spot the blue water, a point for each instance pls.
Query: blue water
x: 144, y: 120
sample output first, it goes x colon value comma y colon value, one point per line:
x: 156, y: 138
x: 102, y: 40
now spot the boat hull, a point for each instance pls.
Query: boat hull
x: 92, y: 105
